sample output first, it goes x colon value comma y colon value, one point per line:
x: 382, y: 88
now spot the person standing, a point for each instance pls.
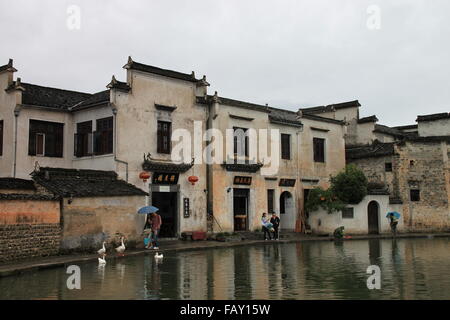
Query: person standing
x: 266, y: 225
x: 148, y: 232
x: 393, y: 221
x: 275, y: 221
x: 156, y: 222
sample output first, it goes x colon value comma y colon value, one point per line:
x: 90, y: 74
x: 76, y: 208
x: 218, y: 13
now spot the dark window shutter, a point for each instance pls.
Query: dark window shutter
x: 32, y: 143
x: 285, y: 146
x: 109, y: 140
x: 97, y: 143
x: 1, y: 137
x: 59, y: 140
x: 270, y: 196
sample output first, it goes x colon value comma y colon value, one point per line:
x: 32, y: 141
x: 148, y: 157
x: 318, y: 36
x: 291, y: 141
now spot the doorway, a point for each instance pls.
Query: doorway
x: 167, y: 204
x: 287, y: 211
x: 373, y: 217
x: 240, y: 209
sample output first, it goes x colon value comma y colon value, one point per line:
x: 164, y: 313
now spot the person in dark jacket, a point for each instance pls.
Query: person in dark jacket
x: 275, y: 220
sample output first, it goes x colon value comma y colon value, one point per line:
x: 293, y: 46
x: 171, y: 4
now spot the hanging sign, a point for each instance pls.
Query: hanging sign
x: 242, y: 180
x: 165, y: 178
x: 186, y: 207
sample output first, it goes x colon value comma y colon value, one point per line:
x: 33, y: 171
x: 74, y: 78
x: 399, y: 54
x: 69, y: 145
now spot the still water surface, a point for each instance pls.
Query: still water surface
x: 410, y: 269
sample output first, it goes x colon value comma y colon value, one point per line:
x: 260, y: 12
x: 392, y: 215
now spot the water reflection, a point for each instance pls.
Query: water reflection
x: 411, y: 269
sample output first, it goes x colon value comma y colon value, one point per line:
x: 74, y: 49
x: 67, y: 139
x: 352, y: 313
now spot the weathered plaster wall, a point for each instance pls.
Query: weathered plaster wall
x: 434, y: 128
x: 89, y: 221
x: 138, y: 108
x: 7, y: 105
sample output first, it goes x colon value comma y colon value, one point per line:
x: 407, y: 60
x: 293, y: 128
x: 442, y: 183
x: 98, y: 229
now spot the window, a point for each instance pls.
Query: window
x: 104, y: 136
x: 240, y: 141
x: 83, y: 139
x: 270, y: 196
x: 348, y: 213
x: 285, y: 146
x: 45, y: 139
x: 388, y: 167
x: 319, y: 149
x: 414, y: 194
x: 1, y: 137
x: 163, y: 136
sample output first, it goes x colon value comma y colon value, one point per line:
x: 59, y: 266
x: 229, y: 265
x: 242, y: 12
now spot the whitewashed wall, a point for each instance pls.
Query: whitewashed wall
x: 321, y: 222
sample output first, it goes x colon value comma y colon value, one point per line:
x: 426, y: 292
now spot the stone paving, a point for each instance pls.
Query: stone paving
x: 179, y: 245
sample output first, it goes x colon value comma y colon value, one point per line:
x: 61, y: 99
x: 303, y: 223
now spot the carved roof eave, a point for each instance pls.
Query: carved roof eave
x: 242, y: 167
x: 170, y: 167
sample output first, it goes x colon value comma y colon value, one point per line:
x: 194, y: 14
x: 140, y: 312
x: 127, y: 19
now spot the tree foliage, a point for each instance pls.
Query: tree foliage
x: 325, y: 199
x: 349, y: 185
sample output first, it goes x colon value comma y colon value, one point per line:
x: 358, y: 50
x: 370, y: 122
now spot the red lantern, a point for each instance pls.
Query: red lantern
x: 144, y: 176
x: 193, y: 179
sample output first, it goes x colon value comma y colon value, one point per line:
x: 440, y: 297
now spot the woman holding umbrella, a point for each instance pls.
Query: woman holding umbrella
x: 393, y: 219
x: 153, y: 224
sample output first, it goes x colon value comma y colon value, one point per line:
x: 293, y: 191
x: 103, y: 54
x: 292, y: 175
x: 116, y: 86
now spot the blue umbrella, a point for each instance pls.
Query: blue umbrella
x: 394, y: 213
x: 147, y: 210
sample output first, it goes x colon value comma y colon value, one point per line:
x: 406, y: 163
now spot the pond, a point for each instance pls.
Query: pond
x: 410, y: 269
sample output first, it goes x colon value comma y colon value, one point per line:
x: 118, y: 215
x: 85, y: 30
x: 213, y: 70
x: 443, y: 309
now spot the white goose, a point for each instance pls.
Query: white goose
x: 102, y: 251
x: 158, y: 255
x: 120, y: 249
x: 102, y: 261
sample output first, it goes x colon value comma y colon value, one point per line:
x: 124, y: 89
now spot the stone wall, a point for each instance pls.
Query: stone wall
x: 424, y: 166
x: 416, y: 165
x: 29, y: 228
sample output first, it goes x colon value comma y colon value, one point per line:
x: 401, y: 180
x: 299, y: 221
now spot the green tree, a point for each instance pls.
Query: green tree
x: 349, y: 185
x: 325, y: 199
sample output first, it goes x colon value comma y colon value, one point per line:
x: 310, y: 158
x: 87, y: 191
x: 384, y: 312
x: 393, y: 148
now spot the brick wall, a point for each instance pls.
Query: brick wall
x: 19, y: 241
x: 29, y: 227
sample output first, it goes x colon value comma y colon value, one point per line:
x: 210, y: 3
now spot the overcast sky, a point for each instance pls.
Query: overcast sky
x: 289, y: 54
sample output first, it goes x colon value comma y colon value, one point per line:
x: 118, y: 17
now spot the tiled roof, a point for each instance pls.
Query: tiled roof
x: 377, y: 149
x: 331, y: 107
x: 159, y: 71
x: 8, y: 66
x: 433, y: 117
x: 20, y: 196
x: 321, y: 119
x: 284, y: 117
x: 84, y: 183
x: 97, y: 99
x: 407, y: 127
x: 387, y: 130
x: 119, y: 85
x: 368, y: 119
x: 15, y: 183
x: 51, y: 97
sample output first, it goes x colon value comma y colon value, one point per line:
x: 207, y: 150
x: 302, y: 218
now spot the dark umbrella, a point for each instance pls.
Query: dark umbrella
x: 147, y: 210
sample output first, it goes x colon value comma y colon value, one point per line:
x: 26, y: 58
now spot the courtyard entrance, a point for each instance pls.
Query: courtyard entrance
x: 240, y: 209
